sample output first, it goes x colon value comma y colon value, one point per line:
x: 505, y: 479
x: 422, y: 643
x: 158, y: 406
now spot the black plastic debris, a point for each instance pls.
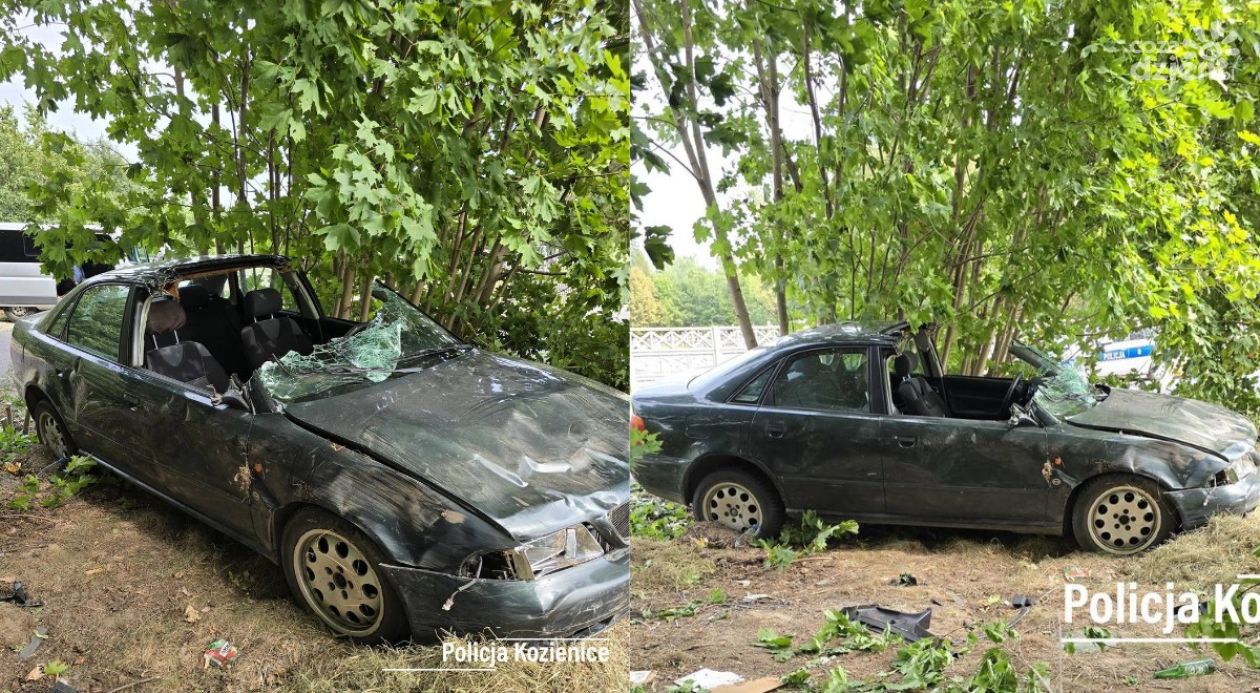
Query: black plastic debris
x: 904, y: 580
x: 1021, y: 601
x: 16, y: 593
x: 62, y: 687
x: 910, y: 627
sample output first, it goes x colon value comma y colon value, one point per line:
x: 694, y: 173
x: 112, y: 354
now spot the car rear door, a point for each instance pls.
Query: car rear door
x: 817, y: 431
x: 96, y: 403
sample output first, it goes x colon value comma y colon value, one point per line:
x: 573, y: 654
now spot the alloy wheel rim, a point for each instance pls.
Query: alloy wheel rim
x: 52, y: 435
x: 338, y: 582
x: 18, y: 312
x: 732, y: 505
x: 1124, y: 519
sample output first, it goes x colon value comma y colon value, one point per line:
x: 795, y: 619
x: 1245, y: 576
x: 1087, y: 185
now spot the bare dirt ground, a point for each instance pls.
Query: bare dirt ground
x: 119, y: 572
x: 966, y: 578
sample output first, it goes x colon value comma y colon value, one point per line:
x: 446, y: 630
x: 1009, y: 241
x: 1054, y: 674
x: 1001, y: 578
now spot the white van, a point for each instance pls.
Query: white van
x: 24, y: 287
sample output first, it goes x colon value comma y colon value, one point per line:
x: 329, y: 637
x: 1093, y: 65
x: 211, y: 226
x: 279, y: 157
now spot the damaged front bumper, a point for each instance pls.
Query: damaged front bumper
x: 577, y: 601
x: 1196, y: 505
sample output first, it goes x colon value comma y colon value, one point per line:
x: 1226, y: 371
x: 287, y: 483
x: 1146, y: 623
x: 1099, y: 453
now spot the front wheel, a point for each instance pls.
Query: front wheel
x: 739, y: 500
x: 1121, y: 515
x: 334, y: 570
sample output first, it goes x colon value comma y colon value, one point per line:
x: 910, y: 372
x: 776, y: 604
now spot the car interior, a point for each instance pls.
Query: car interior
x: 915, y: 392
x: 205, y: 330
x: 824, y: 380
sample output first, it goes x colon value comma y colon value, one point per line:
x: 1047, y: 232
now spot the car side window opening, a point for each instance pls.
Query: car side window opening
x: 95, y: 325
x: 826, y: 379
x: 751, y: 394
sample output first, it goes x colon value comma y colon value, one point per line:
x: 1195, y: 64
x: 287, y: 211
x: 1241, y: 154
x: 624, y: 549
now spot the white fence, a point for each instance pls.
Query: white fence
x: 664, y: 354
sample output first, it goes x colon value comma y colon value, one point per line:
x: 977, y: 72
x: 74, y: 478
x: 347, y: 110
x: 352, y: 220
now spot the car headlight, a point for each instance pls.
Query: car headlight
x: 556, y: 551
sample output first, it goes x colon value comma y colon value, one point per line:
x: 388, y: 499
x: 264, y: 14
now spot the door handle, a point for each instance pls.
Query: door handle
x: 906, y: 441
x: 776, y: 429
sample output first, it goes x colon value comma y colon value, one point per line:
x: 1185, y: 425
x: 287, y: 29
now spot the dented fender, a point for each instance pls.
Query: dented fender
x: 413, y: 524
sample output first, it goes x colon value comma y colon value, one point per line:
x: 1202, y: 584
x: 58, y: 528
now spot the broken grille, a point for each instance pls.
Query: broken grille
x: 620, y: 519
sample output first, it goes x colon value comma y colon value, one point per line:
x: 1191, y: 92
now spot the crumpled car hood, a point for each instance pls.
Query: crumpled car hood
x: 1198, y: 424
x: 533, y: 448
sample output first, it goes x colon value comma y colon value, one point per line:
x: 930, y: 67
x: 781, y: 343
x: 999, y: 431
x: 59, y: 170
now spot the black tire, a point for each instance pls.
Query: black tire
x: 51, y: 429
x: 374, y: 589
x: 1121, y: 515
x: 759, y: 507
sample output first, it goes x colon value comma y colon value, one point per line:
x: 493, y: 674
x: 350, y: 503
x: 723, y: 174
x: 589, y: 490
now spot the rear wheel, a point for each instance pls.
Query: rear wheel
x: 334, y: 570
x: 1121, y: 515
x: 17, y: 312
x: 739, y: 500
x: 52, y: 431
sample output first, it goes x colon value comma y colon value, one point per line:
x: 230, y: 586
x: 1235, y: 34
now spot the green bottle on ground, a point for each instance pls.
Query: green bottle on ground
x: 1185, y: 670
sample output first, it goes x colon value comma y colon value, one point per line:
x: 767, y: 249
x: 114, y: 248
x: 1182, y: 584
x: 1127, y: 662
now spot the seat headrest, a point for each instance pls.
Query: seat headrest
x: 165, y: 314
x: 904, y: 364
x: 194, y: 296
x: 260, y: 302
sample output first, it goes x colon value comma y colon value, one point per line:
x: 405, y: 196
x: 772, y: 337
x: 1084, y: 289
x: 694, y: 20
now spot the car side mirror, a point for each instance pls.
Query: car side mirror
x: 1020, y: 417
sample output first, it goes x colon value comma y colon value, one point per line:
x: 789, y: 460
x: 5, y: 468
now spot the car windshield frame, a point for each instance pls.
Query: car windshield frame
x: 1063, y: 390
x: 398, y: 336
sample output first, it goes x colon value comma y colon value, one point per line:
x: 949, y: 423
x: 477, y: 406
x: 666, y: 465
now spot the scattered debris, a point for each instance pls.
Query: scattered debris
x: 191, y: 614
x: 910, y: 627
x: 904, y: 580
x: 93, y: 571
x: 63, y: 687
x: 744, y: 583
x: 220, y: 654
x: 756, y: 597
x: 1184, y: 670
x: 36, y: 674
x: 642, y: 678
x: 1021, y: 601
x: 1073, y: 573
x: 761, y: 685
x: 710, y: 679
x: 16, y: 592
x: 41, y: 633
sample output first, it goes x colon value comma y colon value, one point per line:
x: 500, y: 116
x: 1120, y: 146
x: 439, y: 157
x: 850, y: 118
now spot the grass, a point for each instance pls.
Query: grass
x: 1215, y: 553
x: 674, y: 565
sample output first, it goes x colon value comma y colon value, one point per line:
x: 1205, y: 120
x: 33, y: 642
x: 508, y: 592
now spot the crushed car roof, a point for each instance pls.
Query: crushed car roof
x: 163, y: 270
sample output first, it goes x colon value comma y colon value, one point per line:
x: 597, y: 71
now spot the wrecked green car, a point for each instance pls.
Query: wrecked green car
x: 406, y: 482
x: 860, y: 421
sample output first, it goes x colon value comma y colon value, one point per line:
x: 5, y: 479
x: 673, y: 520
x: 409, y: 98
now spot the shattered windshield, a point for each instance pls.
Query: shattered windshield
x: 369, y: 353
x: 1065, y: 391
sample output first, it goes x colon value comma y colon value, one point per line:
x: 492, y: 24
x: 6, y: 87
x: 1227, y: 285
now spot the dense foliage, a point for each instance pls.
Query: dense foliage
x: 1051, y: 172
x: 472, y: 153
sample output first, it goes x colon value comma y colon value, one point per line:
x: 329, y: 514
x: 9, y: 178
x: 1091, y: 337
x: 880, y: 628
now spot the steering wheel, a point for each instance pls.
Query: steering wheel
x: 1009, y: 399
x: 355, y: 330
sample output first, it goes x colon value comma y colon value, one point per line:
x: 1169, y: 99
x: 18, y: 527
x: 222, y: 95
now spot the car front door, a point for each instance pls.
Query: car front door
x: 198, y: 446
x: 817, y: 431
x: 964, y: 470
x: 196, y: 442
